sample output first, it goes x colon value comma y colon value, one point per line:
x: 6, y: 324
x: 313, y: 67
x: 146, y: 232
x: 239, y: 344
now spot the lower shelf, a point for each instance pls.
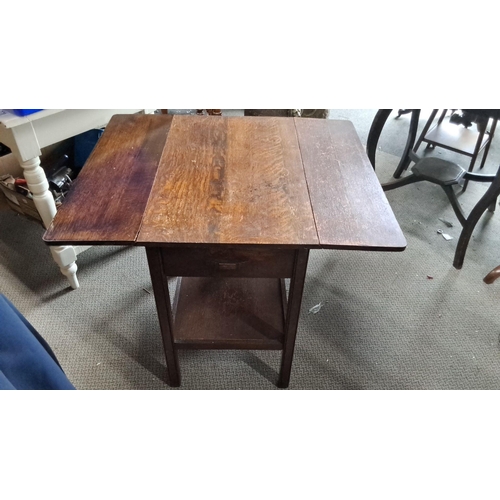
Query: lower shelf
x: 229, y: 313
x: 455, y: 138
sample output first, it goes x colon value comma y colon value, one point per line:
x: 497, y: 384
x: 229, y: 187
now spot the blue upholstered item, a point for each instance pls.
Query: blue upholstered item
x: 26, y: 360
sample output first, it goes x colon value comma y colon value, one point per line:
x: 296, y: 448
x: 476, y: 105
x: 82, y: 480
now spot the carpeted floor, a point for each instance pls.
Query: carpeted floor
x: 388, y: 321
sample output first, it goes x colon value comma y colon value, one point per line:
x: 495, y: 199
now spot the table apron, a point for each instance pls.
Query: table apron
x: 227, y: 261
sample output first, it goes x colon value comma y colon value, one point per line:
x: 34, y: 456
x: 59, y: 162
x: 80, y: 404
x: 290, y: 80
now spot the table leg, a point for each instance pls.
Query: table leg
x: 64, y: 256
x: 292, y: 315
x: 163, y: 307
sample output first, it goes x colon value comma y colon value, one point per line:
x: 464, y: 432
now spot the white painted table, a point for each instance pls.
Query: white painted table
x: 27, y: 135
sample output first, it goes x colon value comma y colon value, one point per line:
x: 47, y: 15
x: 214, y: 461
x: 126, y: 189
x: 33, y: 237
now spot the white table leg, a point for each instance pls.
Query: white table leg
x: 26, y: 136
x: 64, y: 256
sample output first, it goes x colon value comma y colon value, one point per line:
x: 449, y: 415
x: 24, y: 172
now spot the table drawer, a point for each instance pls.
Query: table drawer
x: 243, y: 262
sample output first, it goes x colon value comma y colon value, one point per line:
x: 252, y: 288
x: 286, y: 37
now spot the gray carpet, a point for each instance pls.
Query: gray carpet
x: 384, y: 323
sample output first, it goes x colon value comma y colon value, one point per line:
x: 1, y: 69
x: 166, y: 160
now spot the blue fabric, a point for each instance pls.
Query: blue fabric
x: 26, y: 360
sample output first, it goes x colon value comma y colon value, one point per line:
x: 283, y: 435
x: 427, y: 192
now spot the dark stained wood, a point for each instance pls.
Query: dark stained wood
x: 228, y: 261
x: 162, y: 299
x: 492, y: 276
x: 230, y: 180
x: 107, y: 202
x: 292, y: 315
x: 350, y: 208
x: 236, y: 204
x: 229, y: 313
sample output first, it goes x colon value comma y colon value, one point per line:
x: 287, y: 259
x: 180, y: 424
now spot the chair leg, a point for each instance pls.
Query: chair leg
x: 481, y: 206
x: 443, y: 115
x: 492, y: 276
x: 406, y: 158
x: 492, y: 207
x: 426, y: 129
x: 487, y: 148
x: 476, y: 152
x: 455, y: 204
x: 374, y: 134
x: 409, y: 179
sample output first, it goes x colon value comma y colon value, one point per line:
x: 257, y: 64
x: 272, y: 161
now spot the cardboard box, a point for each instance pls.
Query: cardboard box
x: 9, y: 170
x: 9, y: 167
x: 17, y: 201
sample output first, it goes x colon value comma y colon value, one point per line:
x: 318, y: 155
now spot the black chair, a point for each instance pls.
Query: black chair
x: 441, y: 172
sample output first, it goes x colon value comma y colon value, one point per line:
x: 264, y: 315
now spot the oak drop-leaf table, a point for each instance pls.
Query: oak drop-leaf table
x: 231, y: 206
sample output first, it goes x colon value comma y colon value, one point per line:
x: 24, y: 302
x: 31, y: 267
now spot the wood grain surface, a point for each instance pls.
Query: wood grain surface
x: 298, y: 182
x: 236, y: 180
x: 229, y: 313
x: 350, y: 209
x: 107, y: 201
x: 225, y: 260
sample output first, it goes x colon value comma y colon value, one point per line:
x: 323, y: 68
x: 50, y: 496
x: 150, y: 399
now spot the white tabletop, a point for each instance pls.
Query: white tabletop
x: 10, y: 120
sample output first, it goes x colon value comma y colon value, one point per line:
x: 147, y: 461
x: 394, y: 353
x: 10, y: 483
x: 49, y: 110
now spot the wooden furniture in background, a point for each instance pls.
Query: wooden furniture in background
x: 492, y: 276
x: 210, y: 112
x: 233, y: 210
x: 441, y: 172
x: 458, y: 138
x: 303, y: 113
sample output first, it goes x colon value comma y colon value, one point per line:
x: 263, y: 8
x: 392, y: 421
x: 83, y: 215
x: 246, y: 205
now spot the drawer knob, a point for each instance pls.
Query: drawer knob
x: 228, y: 266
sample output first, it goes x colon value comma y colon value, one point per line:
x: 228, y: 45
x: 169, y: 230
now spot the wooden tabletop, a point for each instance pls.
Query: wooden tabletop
x: 205, y: 180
